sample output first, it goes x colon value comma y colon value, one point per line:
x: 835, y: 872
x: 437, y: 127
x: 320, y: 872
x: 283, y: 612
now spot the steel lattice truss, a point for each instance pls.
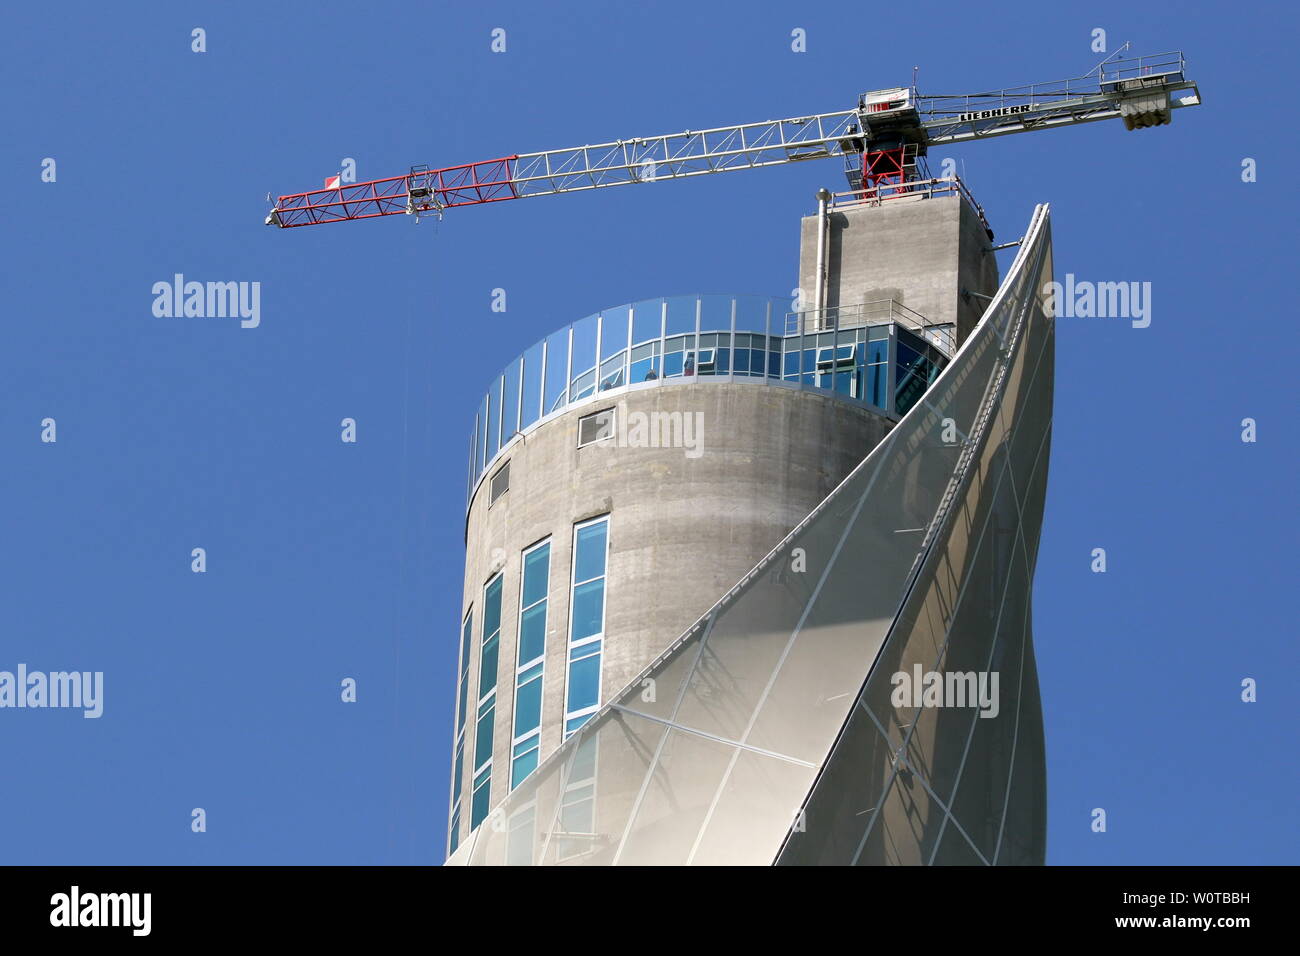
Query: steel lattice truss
x: 1141, y: 90
x: 488, y: 181
x: 689, y: 153
x: 1085, y: 99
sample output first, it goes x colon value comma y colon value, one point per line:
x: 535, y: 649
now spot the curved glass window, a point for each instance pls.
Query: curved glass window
x: 881, y: 357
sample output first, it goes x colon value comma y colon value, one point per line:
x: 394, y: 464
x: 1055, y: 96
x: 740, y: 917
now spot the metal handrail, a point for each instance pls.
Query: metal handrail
x: 875, y: 312
x: 916, y: 188
x: 1157, y: 64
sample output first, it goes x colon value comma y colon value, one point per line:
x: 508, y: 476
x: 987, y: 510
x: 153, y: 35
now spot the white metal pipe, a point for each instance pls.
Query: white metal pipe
x: 823, y: 222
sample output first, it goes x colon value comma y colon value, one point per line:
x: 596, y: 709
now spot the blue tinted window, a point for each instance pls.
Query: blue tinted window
x: 510, y: 401
x: 524, y: 764
x: 612, y: 372
x: 487, y: 672
x: 462, y: 703
x: 532, y: 388
x: 492, y: 608
x: 681, y: 315
x: 583, y: 373
x: 481, y: 800
x: 466, y: 633
x: 588, y: 609
x: 715, y: 312
x: 480, y: 436
x: 528, y: 703
x: 877, y: 381
x: 751, y: 313
x: 589, y: 561
x: 458, y: 771
x: 647, y: 320
x: 587, y: 621
x: 532, y: 633
x: 557, y: 370
x: 532, y: 648
x: 494, y: 419
x: 483, y: 733
x: 532, y: 618
x: 574, y: 723
x: 613, y: 332
x: 584, y: 683
x: 536, y: 574
x: 644, y: 370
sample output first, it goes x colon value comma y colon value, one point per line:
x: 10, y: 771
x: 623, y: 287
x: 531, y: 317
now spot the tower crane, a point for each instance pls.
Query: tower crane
x: 883, y: 142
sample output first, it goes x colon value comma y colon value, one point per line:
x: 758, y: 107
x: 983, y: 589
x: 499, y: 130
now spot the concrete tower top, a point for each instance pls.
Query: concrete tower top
x: 918, y: 252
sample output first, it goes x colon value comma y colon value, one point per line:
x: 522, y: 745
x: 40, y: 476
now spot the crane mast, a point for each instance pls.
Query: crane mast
x: 883, y: 141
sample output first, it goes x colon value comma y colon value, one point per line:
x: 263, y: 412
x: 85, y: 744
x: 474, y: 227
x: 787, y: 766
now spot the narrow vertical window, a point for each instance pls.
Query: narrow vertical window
x: 526, y: 737
x: 577, y: 818
x: 487, y: 703
x: 521, y: 836
x: 462, y: 703
x: 454, y: 843
x: 586, y: 622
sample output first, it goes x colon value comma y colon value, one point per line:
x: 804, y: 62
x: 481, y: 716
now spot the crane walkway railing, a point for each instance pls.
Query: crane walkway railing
x: 912, y: 189
x: 1167, y: 66
x: 875, y: 312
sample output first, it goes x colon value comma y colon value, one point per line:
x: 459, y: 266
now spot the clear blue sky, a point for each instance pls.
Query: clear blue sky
x: 328, y: 560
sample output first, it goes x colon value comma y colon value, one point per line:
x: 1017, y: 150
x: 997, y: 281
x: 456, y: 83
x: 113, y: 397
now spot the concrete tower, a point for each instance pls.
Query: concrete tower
x: 704, y: 505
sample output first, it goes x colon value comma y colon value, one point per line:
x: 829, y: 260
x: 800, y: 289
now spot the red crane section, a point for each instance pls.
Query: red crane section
x: 421, y: 190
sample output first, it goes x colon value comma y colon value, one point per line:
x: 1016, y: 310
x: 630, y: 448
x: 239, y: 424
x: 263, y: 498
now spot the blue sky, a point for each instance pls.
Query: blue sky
x: 329, y: 560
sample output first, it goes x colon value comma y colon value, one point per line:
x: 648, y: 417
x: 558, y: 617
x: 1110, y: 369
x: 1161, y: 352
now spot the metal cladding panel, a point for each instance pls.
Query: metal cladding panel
x: 908, y: 784
x: 767, y: 733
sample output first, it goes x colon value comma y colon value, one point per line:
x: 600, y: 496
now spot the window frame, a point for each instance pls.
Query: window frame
x: 612, y: 411
x: 598, y: 638
x: 538, y: 662
x: 481, y: 773
x: 493, y: 495
x: 458, y: 737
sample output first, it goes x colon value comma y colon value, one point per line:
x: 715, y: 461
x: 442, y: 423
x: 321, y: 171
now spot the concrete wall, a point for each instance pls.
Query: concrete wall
x: 682, y: 530
x: 919, y: 252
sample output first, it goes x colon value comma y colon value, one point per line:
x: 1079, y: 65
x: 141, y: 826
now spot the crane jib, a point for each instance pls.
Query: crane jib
x: 884, y: 141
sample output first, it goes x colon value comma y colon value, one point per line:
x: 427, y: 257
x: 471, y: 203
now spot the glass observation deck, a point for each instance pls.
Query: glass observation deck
x: 881, y: 355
